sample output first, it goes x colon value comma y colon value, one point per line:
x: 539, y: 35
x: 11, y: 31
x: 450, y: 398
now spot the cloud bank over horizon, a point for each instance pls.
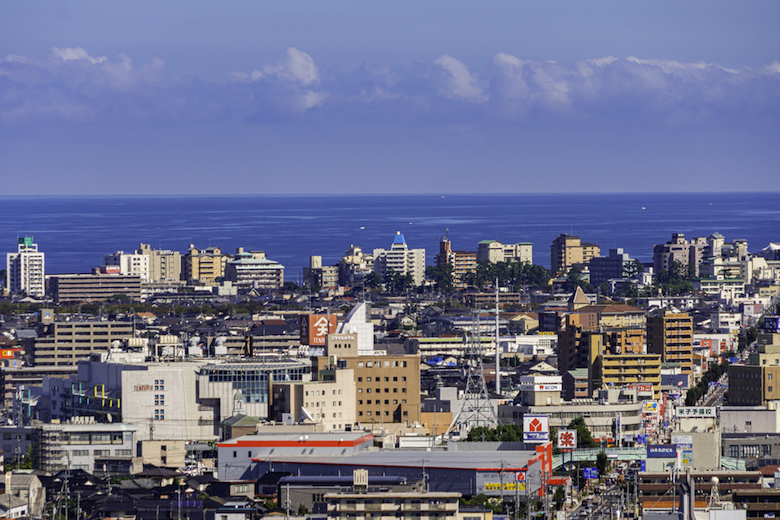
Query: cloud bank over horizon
x: 72, y: 85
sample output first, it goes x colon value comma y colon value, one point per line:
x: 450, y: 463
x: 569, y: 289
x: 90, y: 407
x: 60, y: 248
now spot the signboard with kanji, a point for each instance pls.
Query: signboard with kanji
x: 316, y: 327
x: 536, y: 428
x: 696, y: 411
x: 567, y: 439
x: 590, y: 473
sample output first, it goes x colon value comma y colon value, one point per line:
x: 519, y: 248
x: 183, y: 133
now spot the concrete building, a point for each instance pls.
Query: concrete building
x: 401, y: 260
x: 66, y: 343
x: 354, y: 266
x: 600, y: 415
x: 26, y: 269
x: 317, y: 275
x: 494, y: 251
x: 567, y: 250
x: 606, y: 268
x: 164, y: 264
x: 129, y: 264
x: 330, y: 401
x: 203, y: 265
x: 252, y: 270
x: 392, y: 505
x: 619, y: 370
x: 462, y: 262
x: 671, y: 335
x: 161, y: 398
x: 387, y: 387
x: 82, y: 445
x: 246, y: 387
x: 95, y: 287
x: 678, y: 249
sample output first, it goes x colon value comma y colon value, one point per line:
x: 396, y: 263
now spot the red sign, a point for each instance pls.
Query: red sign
x: 567, y: 439
x: 8, y: 353
x: 520, y: 476
x: 642, y: 387
x: 316, y: 327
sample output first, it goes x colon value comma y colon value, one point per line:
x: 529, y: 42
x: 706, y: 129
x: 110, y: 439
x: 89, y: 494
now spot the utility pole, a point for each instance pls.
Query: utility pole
x: 498, y: 355
x: 501, y: 478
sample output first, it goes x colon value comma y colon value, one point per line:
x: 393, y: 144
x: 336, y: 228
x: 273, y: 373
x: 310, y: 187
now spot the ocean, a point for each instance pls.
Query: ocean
x: 75, y: 232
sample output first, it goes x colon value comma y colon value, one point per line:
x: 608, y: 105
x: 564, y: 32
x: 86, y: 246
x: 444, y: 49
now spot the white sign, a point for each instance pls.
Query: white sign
x: 536, y: 428
x: 567, y: 439
x: 540, y: 387
x: 696, y: 411
x: 683, y: 441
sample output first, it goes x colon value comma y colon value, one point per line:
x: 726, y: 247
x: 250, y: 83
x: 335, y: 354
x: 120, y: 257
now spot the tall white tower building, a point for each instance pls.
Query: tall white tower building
x: 26, y: 269
x: 401, y: 260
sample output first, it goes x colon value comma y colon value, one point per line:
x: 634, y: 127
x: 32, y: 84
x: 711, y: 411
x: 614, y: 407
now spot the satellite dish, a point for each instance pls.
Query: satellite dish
x: 306, y: 414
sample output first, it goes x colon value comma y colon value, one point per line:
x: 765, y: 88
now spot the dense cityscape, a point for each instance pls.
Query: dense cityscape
x: 204, y: 384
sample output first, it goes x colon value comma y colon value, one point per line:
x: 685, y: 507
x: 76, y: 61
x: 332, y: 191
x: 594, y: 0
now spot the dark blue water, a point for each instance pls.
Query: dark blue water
x: 75, y: 233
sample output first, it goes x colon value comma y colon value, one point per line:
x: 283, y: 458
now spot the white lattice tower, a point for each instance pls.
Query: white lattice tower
x: 477, y: 410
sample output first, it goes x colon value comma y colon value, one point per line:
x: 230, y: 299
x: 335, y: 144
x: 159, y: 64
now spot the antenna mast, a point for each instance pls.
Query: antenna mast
x: 477, y: 410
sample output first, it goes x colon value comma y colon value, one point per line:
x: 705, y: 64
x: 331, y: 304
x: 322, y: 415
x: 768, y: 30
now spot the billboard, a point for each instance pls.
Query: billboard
x: 567, y: 439
x: 590, y: 473
x: 696, y: 411
x: 772, y: 323
x: 536, y: 428
x: 316, y: 327
x: 661, y: 451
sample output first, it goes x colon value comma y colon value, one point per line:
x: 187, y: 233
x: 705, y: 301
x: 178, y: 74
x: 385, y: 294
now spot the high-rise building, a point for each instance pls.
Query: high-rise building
x: 605, y: 268
x: 462, y: 262
x: 206, y: 265
x: 567, y: 250
x: 251, y: 269
x: 494, y: 251
x: 354, y: 266
x: 26, y: 269
x: 671, y: 335
x: 400, y: 259
x: 132, y: 264
x: 164, y: 264
x: 678, y: 249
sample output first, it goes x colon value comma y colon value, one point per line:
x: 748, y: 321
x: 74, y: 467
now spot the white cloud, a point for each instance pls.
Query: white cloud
x: 459, y: 82
x: 75, y: 53
x: 297, y: 67
x: 73, y: 86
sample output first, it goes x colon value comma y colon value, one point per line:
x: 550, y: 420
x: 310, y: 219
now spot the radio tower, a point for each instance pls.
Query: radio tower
x: 477, y: 410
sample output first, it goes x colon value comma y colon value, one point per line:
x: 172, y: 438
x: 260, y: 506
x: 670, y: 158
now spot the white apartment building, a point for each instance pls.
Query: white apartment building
x: 400, y: 259
x: 164, y: 264
x: 494, y: 251
x: 26, y: 269
x: 132, y: 264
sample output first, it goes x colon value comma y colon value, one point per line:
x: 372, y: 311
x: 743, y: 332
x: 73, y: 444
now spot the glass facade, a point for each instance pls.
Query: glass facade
x: 252, y: 380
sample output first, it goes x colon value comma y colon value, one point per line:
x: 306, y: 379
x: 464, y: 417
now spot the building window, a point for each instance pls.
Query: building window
x: 749, y: 451
x: 159, y: 415
x: 368, y: 379
x: 769, y: 376
x: 159, y: 384
x: 159, y: 400
x: 766, y: 449
x: 769, y: 389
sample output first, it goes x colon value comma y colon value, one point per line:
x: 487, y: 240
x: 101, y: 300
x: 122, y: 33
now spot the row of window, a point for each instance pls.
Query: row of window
x: 320, y: 392
x: 749, y: 450
x: 377, y: 379
x: 378, y: 364
x: 377, y: 401
x: 320, y: 403
x: 379, y: 390
x: 101, y: 453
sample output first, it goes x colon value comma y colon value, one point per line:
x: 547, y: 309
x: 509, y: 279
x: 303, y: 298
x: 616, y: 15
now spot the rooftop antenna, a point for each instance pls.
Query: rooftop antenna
x: 477, y: 410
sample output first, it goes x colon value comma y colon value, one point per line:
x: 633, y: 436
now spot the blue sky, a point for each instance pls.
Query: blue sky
x: 269, y: 97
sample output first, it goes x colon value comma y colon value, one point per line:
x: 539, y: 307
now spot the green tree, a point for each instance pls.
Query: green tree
x: 372, y: 280
x: 601, y: 463
x: 633, y: 268
x: 584, y: 438
x: 442, y: 277
x: 503, y: 433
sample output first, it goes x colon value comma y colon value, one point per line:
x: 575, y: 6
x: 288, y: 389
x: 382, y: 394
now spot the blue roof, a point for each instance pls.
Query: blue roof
x: 399, y: 239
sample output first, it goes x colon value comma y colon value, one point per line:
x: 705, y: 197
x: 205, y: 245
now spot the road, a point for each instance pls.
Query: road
x: 602, y: 505
x: 716, y: 397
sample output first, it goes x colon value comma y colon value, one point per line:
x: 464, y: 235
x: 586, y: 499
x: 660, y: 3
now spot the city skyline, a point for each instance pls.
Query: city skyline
x: 404, y: 98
